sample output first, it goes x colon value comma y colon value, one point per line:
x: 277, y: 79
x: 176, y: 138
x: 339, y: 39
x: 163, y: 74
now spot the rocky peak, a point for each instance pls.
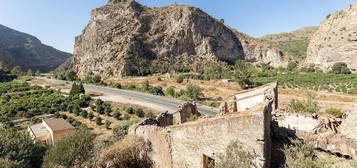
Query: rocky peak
x: 126, y: 38
x: 335, y: 41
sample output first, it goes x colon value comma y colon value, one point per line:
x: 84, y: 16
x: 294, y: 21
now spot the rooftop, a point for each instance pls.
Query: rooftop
x: 39, y: 130
x: 58, y: 124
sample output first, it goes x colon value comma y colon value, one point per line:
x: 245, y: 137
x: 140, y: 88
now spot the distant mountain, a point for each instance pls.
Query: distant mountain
x: 294, y: 43
x: 21, y: 49
x: 335, y: 40
x: 127, y: 38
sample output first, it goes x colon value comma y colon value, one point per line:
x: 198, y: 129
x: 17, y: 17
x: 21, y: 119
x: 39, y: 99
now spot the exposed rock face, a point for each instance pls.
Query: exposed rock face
x: 126, y: 38
x: 335, y: 40
x: 20, y: 49
x: 294, y: 43
x: 257, y: 51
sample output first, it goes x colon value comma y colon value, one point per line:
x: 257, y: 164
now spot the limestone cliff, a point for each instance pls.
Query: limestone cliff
x: 257, y: 51
x: 126, y: 38
x: 294, y: 43
x: 20, y: 49
x: 335, y: 40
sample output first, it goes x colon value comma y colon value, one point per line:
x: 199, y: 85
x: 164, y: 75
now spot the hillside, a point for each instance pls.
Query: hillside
x: 294, y: 43
x: 335, y: 40
x: 126, y: 38
x: 20, y: 49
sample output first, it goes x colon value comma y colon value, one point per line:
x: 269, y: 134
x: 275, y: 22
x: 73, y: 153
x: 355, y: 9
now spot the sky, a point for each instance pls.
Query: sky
x: 58, y: 22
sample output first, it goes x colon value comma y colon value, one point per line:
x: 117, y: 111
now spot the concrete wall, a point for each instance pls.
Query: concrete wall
x: 184, y: 145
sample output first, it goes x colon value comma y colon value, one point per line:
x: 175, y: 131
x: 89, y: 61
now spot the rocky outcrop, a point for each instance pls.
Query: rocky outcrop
x: 126, y: 38
x: 20, y: 49
x: 294, y: 43
x: 335, y: 40
x: 257, y: 51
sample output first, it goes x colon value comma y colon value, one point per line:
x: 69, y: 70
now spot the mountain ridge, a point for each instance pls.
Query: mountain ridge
x: 27, y: 51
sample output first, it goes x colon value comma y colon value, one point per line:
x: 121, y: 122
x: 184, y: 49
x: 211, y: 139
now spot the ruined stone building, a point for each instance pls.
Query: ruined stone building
x: 178, y: 142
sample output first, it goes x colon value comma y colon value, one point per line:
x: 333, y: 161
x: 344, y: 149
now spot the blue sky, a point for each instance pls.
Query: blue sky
x: 57, y: 22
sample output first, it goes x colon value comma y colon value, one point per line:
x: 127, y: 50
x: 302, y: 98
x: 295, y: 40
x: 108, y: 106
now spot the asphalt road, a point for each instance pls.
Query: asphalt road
x: 169, y: 104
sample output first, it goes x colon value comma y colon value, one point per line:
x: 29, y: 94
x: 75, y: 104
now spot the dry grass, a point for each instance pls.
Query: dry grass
x: 132, y: 151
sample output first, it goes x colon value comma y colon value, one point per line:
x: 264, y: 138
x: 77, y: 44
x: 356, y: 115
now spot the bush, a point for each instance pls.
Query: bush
x: 71, y: 75
x: 334, y: 112
x: 243, y: 73
x: 193, y: 91
x: 139, y: 112
x: 121, y: 129
x: 145, y: 85
x: 96, y: 79
x: 130, y: 152
x: 292, y: 66
x: 340, y: 68
x: 107, y: 124
x: 90, y: 116
x: 126, y: 116
x: 17, y: 149
x: 130, y: 110
x: 234, y: 157
x: 309, y: 106
x: 157, y: 91
x: 72, y: 150
x: 179, y: 79
x: 84, y: 114
x: 98, y: 121
x: 170, y: 92
x: 301, y: 155
x: 117, y: 114
x: 107, y: 109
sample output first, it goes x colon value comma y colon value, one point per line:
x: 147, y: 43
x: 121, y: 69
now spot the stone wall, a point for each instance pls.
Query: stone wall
x: 185, y: 112
x: 307, y: 128
x: 185, y: 145
x: 250, y: 99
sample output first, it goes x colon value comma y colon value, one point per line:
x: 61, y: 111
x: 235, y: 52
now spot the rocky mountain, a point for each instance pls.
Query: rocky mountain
x: 335, y: 40
x: 20, y: 49
x: 294, y: 43
x: 127, y: 38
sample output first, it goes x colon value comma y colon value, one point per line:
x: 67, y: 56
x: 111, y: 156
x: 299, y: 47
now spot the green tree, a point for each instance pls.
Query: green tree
x: 17, y: 70
x: 292, y: 66
x: 97, y: 79
x: 59, y: 73
x: 243, y: 73
x: 108, y: 109
x: 340, y: 68
x: 117, y: 114
x: 71, y: 75
x: 18, y: 148
x: 107, y: 124
x: 170, y: 92
x: 193, y: 91
x: 145, y: 85
x: 130, y: 110
x: 90, y: 116
x: 98, y: 121
x: 139, y: 112
x: 157, y: 90
x: 72, y: 150
x: 29, y: 73
x: 76, y: 89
